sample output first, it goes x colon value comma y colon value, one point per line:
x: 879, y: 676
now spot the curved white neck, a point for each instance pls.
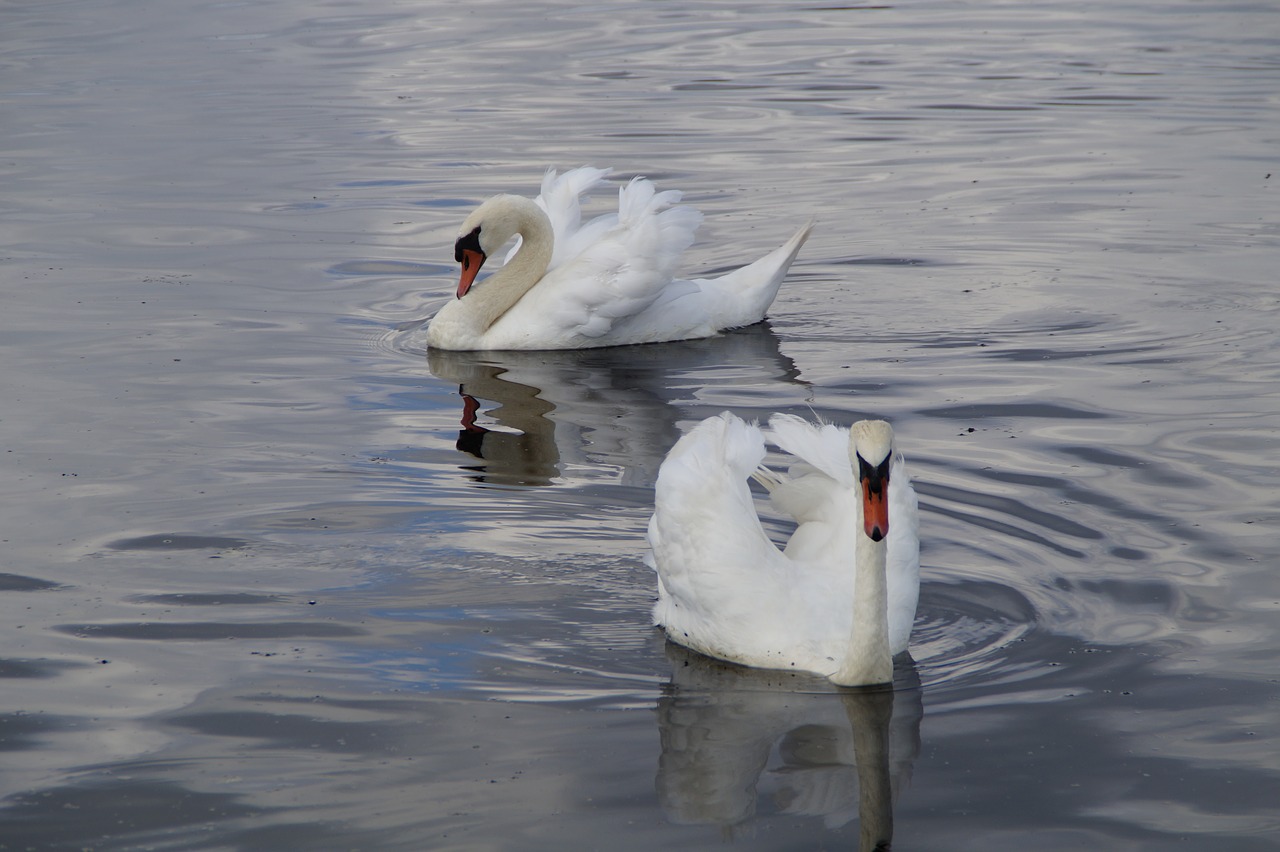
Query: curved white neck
x: 868, y: 659
x: 498, y: 293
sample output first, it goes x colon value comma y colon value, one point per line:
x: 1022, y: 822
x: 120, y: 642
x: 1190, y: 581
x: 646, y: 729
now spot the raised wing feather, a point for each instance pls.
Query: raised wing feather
x: 621, y: 270
x: 705, y: 530
x: 561, y: 200
x: 824, y: 447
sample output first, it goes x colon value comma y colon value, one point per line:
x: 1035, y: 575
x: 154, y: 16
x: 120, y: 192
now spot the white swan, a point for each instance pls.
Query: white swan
x: 609, y: 282
x: 840, y: 600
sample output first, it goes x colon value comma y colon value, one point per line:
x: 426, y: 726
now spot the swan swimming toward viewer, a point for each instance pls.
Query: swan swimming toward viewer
x: 840, y: 600
x: 608, y: 282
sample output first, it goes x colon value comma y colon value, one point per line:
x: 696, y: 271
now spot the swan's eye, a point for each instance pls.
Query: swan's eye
x: 469, y: 242
x: 874, y: 477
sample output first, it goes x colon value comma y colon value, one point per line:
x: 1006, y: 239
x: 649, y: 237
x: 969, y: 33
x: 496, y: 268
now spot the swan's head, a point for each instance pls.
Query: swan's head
x: 485, y: 231
x: 871, y: 448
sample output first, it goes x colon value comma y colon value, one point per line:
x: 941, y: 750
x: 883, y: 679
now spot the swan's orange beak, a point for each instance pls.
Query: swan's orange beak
x: 875, y: 507
x: 471, y: 261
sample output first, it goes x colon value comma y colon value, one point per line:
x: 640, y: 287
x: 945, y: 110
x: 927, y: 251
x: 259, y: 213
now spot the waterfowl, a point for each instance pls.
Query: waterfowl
x: 840, y: 599
x: 608, y: 282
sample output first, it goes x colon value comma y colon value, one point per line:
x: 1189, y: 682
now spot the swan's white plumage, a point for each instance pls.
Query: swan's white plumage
x: 726, y: 590
x: 610, y: 281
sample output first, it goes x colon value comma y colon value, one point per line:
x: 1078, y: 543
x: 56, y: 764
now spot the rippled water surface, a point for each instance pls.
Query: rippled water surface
x: 275, y: 577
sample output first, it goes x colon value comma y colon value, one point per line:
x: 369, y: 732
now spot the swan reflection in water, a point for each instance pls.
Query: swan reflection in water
x: 615, y: 407
x: 732, y: 736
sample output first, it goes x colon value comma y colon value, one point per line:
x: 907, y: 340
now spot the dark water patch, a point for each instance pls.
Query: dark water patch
x: 28, y: 669
x: 1147, y: 469
x: 1134, y: 595
x: 718, y: 85
x: 1010, y: 507
x: 445, y: 203
x: 359, y: 184
x: 1012, y: 411
x: 983, y: 107
x: 396, y: 268
x: 839, y: 87
x: 886, y: 261
x: 979, y: 600
x: 1001, y: 528
x: 354, y: 517
x: 118, y: 813
x: 1101, y: 100
x: 993, y: 336
x: 23, y: 731
x: 1072, y: 490
x: 870, y: 139
x: 178, y: 541
x: 1104, y: 457
x: 1034, y: 355
x: 652, y: 134
x: 22, y: 583
x: 208, y: 631
x: 208, y: 599
x: 291, y: 730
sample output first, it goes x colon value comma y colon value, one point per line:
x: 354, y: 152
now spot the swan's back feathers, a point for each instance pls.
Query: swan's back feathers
x: 656, y: 227
x: 624, y: 267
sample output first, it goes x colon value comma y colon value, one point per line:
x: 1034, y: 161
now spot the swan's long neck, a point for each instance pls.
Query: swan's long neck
x: 868, y: 659
x: 497, y: 294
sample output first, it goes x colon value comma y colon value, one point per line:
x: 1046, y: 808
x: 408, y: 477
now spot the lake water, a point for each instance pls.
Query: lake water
x: 276, y: 578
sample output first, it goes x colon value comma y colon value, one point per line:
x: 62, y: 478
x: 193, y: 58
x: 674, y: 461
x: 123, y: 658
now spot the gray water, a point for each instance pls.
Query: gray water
x: 276, y: 578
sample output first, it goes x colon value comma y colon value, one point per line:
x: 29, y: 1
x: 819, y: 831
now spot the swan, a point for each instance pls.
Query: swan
x: 608, y: 282
x: 840, y: 600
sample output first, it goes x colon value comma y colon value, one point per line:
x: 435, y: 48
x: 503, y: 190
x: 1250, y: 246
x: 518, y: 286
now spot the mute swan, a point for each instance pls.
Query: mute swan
x: 841, y: 598
x: 609, y: 282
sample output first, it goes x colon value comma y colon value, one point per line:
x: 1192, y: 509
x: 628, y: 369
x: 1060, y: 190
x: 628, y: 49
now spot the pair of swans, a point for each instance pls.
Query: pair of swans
x: 840, y: 599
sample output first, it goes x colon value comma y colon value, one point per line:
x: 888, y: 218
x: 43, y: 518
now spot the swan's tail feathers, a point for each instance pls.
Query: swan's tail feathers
x: 748, y: 292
